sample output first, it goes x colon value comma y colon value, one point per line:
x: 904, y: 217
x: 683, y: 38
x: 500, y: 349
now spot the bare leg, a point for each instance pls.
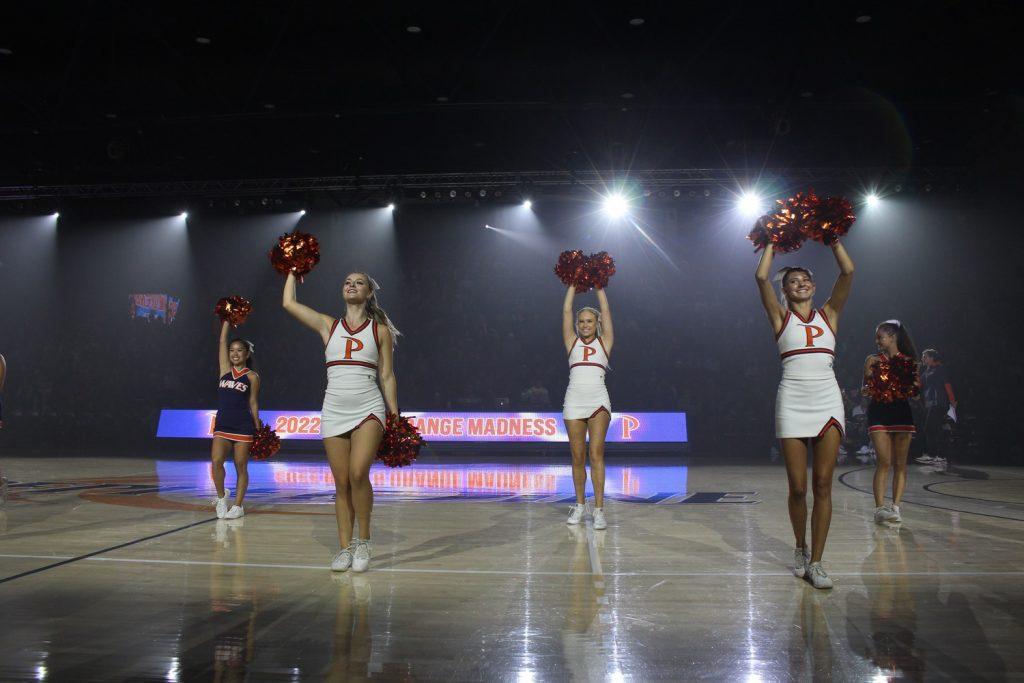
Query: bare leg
x: 365, y: 441
x: 794, y: 452
x: 883, y: 451
x: 598, y: 428
x: 338, y: 449
x: 241, y: 471
x: 219, y: 453
x: 826, y: 451
x: 900, y: 451
x: 577, y: 431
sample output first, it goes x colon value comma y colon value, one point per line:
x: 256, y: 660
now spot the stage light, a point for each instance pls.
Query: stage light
x: 183, y: 214
x: 615, y: 205
x: 872, y: 199
x: 527, y: 203
x: 749, y: 204
x: 391, y: 206
x: 56, y: 214
x: 302, y: 212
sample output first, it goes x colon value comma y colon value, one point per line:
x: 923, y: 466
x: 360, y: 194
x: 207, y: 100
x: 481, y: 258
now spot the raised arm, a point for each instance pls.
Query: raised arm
x: 607, y: 330
x: 771, y: 304
x: 254, y: 398
x: 568, y: 324
x: 304, y: 314
x: 386, y: 371
x: 841, y: 289
x: 222, y: 349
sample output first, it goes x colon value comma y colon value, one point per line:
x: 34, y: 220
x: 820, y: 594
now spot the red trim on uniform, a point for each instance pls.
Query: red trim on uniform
x: 241, y: 438
x: 369, y: 417
x: 601, y: 342
x: 358, y: 329
x: 832, y: 422
x: 799, y: 352
x: 596, y: 365
x: 600, y: 409
x: 827, y: 321
x: 785, y: 321
x: 235, y: 375
x: 588, y: 343
x: 892, y: 428
x: 351, y: 362
x: 805, y: 322
x: 333, y: 328
x: 376, y: 339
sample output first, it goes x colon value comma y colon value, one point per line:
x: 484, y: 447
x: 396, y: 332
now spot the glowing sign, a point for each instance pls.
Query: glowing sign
x: 449, y: 427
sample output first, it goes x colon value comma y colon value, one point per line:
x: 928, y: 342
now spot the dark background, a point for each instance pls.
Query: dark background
x: 102, y: 101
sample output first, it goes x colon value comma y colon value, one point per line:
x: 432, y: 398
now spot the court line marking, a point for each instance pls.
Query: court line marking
x: 104, y: 550
x: 503, y: 572
x: 842, y: 480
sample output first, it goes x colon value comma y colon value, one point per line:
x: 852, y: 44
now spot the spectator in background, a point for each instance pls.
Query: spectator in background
x: 535, y: 397
x: 940, y: 404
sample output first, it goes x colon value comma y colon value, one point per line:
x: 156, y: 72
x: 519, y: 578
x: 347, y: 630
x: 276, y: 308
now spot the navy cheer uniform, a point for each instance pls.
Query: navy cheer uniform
x: 234, y: 417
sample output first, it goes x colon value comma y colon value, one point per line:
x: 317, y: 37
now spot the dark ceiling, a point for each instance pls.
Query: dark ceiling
x: 125, y: 91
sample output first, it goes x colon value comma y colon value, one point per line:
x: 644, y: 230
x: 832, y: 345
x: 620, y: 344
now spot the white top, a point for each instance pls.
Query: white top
x: 588, y: 361
x: 352, y: 355
x: 807, y: 347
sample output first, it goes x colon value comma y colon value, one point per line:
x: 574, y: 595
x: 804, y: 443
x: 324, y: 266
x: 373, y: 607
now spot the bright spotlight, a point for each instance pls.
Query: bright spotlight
x: 872, y: 199
x: 391, y: 206
x: 184, y: 214
x: 749, y: 204
x: 56, y: 214
x: 302, y: 213
x: 616, y: 205
x: 528, y: 203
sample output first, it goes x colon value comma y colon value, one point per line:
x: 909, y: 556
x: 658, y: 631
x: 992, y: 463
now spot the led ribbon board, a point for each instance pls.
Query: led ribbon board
x: 631, y: 427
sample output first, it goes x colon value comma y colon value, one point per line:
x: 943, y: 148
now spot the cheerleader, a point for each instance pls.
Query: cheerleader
x: 587, y: 408
x: 809, y: 404
x: 238, y: 418
x: 890, y: 425
x: 358, y: 352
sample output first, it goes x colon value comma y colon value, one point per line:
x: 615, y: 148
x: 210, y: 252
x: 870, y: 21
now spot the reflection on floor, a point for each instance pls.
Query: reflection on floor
x: 114, y: 569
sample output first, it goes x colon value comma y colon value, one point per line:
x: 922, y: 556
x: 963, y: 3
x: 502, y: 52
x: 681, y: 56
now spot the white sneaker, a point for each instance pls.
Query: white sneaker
x: 925, y: 460
x: 894, y: 513
x: 343, y: 560
x: 817, y: 576
x: 599, y: 520
x: 800, y: 560
x: 881, y: 514
x: 361, y: 555
x: 222, y: 504
x: 235, y: 512
x: 576, y: 514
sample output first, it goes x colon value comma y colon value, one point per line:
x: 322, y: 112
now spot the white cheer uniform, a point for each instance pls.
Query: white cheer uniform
x: 809, y: 401
x: 586, y: 395
x: 352, y: 395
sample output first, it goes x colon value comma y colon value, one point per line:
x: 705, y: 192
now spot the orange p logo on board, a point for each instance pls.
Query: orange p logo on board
x: 813, y: 332
x: 351, y: 346
x: 587, y: 353
x: 629, y: 425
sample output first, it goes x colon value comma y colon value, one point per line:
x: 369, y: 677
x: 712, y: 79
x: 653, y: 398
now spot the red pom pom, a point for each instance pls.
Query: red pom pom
x: 784, y: 227
x: 832, y: 218
x: 265, y: 443
x: 401, y: 443
x: 599, y: 269
x: 233, y: 309
x: 893, y: 379
x: 296, y: 252
x: 570, y: 268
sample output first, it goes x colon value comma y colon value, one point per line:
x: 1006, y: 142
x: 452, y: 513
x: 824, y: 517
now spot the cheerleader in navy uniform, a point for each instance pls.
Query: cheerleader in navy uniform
x: 359, y: 352
x: 890, y: 425
x: 587, y: 408
x: 809, y: 404
x: 238, y: 418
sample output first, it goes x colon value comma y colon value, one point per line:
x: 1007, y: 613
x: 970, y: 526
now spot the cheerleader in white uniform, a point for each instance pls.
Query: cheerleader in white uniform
x: 587, y: 408
x: 809, y: 404
x: 358, y: 354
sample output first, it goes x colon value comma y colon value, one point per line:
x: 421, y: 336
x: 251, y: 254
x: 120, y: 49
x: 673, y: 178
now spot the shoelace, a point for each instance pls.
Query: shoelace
x: 362, y: 545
